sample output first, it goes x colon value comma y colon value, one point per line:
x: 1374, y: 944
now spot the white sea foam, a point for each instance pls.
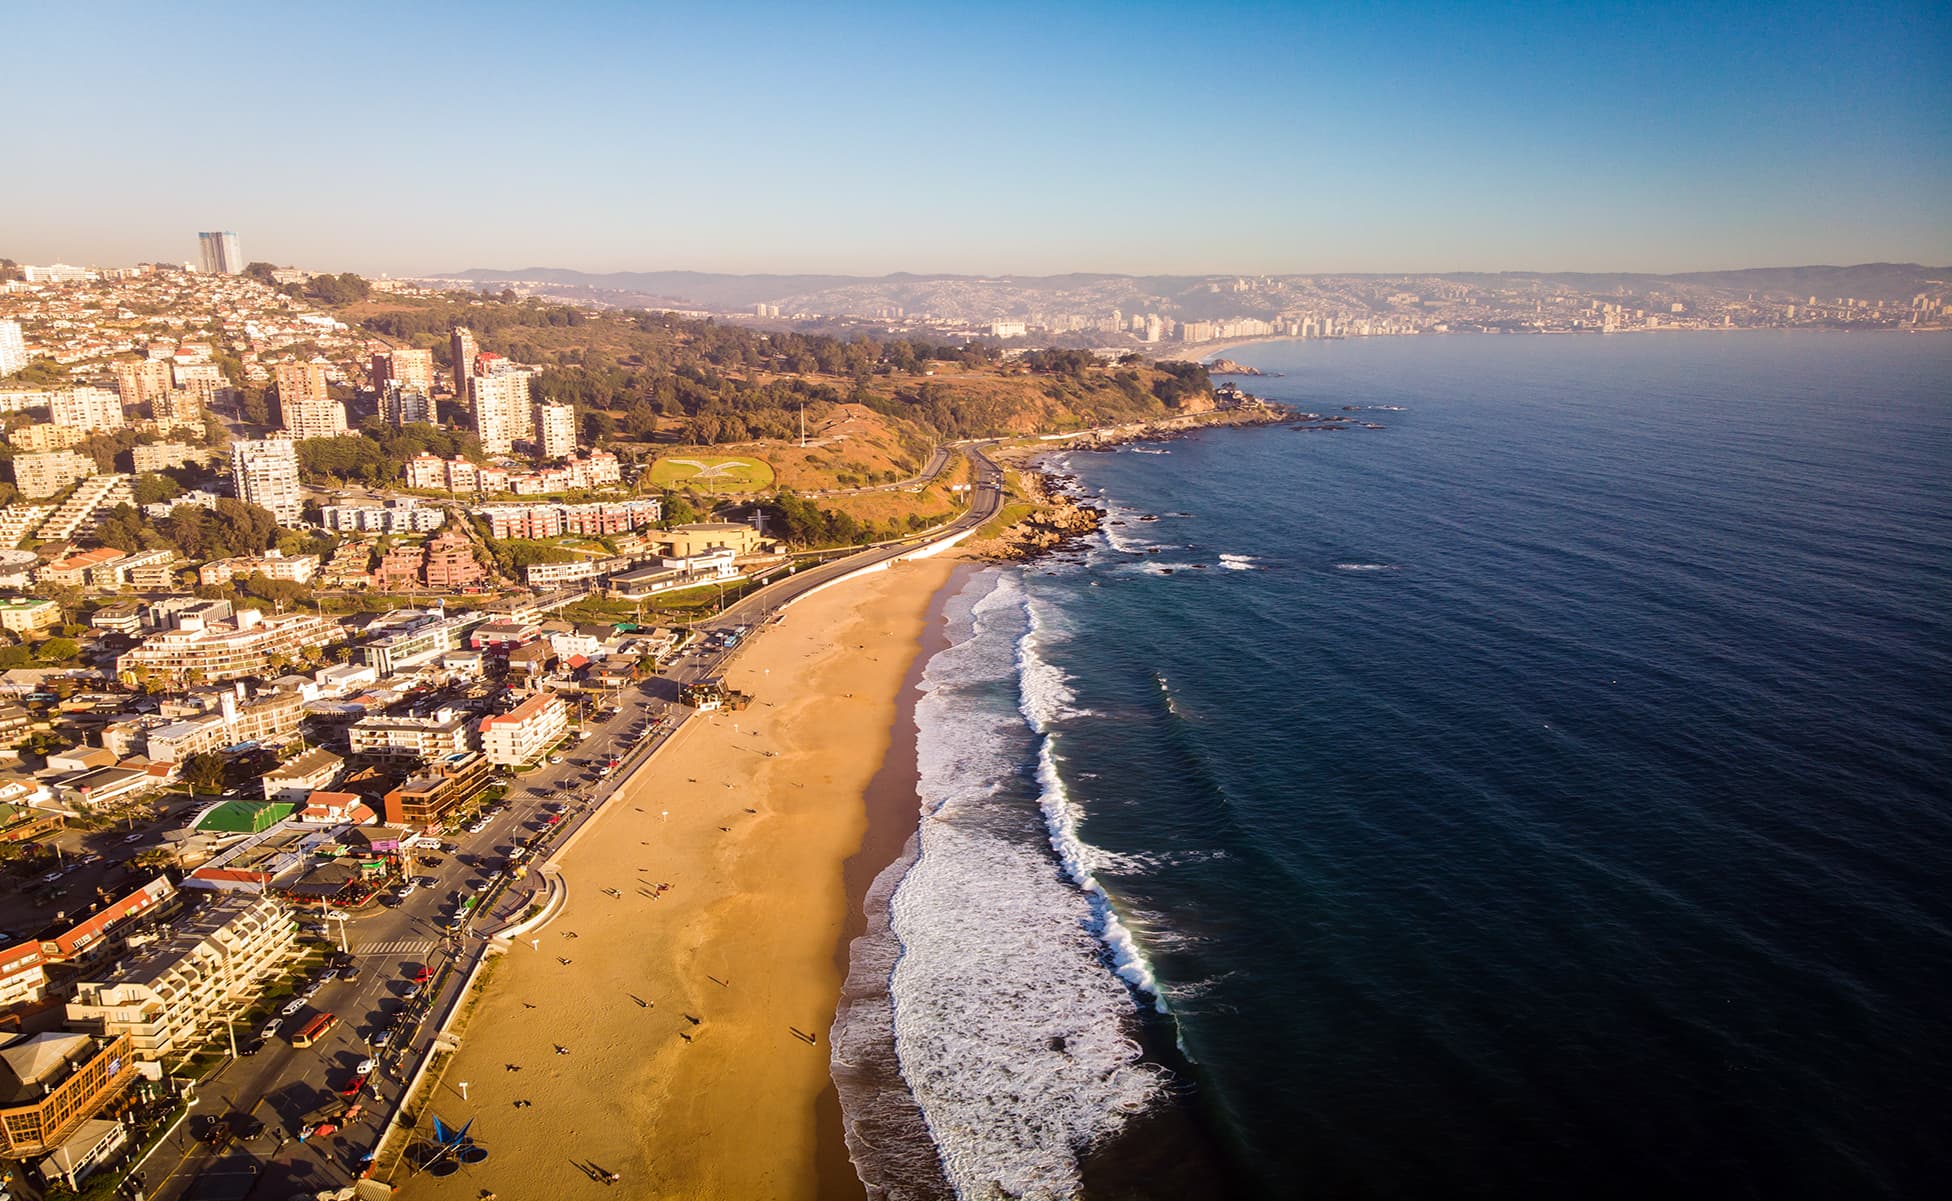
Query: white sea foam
x: 1148, y: 450
x: 1365, y: 567
x: 1014, y: 1040
x: 1238, y: 562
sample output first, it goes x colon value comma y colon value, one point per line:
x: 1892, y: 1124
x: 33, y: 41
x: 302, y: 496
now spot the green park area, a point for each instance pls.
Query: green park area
x: 710, y: 473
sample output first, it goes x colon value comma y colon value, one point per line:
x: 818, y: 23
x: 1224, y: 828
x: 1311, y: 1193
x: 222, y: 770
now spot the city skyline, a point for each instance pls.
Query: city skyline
x: 1181, y: 140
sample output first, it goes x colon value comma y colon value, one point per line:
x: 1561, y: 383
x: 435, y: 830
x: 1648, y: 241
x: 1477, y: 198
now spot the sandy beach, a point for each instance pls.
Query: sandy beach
x: 693, y: 1024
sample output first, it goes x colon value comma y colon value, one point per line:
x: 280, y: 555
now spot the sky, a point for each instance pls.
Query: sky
x: 998, y: 138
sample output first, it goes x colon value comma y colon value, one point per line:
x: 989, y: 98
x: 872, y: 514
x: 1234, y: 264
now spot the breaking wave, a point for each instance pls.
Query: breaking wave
x: 1017, y: 1045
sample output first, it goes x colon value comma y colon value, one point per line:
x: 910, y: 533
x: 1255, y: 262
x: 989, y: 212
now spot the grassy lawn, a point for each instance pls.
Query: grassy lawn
x: 1006, y: 517
x: 712, y: 473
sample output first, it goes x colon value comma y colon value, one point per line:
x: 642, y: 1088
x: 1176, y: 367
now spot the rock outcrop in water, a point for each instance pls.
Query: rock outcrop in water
x: 1058, y: 520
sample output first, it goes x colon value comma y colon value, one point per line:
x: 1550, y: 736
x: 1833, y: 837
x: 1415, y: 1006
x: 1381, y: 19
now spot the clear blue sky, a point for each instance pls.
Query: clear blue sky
x: 987, y: 138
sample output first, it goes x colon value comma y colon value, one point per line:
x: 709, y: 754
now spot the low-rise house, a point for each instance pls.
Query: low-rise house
x: 123, y: 617
x: 292, y: 781
x: 335, y: 808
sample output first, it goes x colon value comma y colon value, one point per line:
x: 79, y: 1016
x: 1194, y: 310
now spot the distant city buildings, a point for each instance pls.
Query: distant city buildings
x: 219, y: 254
x: 266, y: 474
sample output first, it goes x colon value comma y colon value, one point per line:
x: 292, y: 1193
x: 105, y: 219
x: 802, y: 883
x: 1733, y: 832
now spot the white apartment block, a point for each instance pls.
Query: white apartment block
x: 400, y: 516
x: 555, y: 430
x: 266, y: 474
x: 227, y: 650
x: 445, y: 732
x: 86, y: 408
x: 501, y: 409
x: 13, y: 348
x: 46, y: 474
x: 525, y: 732
x: 178, y: 993
x: 313, y: 418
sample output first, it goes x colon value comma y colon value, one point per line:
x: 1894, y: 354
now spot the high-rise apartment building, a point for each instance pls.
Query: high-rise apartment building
x: 501, y: 409
x: 300, y: 381
x: 406, y: 367
x: 313, y: 418
x: 219, y: 253
x: 86, y: 408
x: 142, y: 381
x: 13, y: 348
x: 403, y: 405
x: 462, y: 346
x: 555, y: 430
x: 266, y: 474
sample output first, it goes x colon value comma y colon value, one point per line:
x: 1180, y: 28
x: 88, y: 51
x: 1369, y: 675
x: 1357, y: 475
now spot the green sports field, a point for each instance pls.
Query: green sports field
x: 712, y: 474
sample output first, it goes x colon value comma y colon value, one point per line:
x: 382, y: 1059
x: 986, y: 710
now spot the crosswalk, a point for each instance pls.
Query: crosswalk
x: 398, y: 946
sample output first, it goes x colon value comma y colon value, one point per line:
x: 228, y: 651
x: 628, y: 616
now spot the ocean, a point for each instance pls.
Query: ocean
x: 1546, y: 794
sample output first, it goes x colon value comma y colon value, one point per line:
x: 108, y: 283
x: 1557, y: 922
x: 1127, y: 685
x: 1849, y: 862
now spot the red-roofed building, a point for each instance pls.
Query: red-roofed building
x: 333, y: 808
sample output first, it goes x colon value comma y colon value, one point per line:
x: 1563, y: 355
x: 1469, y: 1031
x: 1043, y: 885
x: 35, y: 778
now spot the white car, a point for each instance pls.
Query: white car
x: 365, y: 1067
x: 408, y: 889
x: 293, y: 1006
x: 270, y: 1028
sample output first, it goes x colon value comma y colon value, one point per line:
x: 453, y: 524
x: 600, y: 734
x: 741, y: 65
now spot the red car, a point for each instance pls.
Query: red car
x: 353, y: 1086
x: 423, y: 975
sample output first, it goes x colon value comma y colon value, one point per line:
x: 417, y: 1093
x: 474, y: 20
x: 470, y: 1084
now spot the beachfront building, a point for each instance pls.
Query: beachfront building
x: 526, y: 732
x: 440, y: 733
x: 445, y: 785
x: 180, y: 991
x: 53, y: 1084
x: 688, y: 541
x: 216, y: 651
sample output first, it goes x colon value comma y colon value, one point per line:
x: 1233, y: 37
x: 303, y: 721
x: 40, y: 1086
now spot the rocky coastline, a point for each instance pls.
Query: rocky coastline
x: 1060, y: 519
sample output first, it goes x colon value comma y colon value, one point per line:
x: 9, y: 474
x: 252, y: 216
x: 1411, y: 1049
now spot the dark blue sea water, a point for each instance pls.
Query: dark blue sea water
x: 1546, y: 795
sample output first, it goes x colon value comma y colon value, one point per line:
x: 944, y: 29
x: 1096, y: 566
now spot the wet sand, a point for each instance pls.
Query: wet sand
x: 686, y: 1019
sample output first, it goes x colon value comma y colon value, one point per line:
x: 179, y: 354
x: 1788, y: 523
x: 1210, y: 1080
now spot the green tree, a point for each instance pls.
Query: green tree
x: 204, y: 772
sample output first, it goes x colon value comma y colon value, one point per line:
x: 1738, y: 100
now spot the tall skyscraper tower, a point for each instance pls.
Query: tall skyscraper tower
x: 220, y: 253
x: 463, y: 349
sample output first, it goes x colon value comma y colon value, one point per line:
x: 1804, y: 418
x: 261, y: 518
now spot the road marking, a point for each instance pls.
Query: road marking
x: 399, y: 946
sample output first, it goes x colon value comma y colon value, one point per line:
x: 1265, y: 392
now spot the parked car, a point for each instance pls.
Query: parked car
x: 271, y: 1027
x: 293, y: 1006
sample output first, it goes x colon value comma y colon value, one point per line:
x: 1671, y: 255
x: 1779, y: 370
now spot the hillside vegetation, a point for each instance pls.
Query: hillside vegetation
x: 655, y: 378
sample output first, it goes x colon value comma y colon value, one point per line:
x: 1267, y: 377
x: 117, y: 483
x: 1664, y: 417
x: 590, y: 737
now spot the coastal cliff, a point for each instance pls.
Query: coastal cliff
x: 1229, y: 367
